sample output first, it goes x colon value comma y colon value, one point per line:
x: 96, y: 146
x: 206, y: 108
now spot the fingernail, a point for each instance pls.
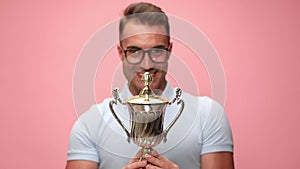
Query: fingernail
x: 153, y: 153
x: 141, y: 162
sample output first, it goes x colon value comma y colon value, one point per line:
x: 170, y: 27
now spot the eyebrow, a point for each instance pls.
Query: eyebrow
x: 133, y: 47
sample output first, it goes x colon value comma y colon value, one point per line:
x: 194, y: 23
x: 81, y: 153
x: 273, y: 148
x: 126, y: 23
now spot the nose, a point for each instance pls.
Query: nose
x: 146, y: 63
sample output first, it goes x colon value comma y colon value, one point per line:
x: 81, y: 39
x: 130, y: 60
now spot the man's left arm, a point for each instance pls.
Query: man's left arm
x: 217, y: 143
x: 218, y: 160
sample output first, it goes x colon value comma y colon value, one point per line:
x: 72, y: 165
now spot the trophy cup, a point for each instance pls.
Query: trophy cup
x: 147, y: 112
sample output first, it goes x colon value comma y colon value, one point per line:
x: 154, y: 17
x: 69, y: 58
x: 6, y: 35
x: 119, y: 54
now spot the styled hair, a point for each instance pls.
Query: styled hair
x: 144, y: 13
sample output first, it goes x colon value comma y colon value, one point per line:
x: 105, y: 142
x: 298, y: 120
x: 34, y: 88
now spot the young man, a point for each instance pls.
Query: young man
x: 201, y: 138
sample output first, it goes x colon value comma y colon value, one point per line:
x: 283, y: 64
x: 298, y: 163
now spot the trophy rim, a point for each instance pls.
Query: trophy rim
x: 153, y: 100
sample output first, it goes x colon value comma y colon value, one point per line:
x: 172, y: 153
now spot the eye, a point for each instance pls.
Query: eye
x: 133, y: 51
x: 157, y: 51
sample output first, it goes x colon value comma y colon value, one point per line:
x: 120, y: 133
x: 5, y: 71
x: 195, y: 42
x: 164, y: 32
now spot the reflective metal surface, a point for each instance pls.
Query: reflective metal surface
x: 147, y: 112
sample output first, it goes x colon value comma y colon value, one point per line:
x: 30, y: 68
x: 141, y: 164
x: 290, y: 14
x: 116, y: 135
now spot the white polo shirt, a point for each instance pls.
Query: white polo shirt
x: 202, y: 128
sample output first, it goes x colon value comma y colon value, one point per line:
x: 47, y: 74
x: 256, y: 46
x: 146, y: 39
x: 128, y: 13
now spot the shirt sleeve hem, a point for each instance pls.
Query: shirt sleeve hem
x: 86, y: 156
x: 207, y: 150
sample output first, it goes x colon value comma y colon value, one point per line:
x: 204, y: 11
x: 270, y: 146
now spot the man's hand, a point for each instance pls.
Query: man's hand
x: 135, y: 163
x: 156, y: 161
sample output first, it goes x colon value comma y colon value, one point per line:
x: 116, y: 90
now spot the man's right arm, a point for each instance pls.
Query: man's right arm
x: 83, y: 151
x: 81, y: 164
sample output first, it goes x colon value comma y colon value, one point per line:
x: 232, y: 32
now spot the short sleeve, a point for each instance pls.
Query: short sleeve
x: 216, y: 133
x: 81, y: 144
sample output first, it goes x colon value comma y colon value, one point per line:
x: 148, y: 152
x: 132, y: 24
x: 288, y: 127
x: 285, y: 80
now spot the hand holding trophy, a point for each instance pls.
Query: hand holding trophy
x: 147, y: 112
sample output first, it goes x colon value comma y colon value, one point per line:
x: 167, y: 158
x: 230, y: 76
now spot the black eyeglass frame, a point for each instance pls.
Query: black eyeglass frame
x: 148, y: 51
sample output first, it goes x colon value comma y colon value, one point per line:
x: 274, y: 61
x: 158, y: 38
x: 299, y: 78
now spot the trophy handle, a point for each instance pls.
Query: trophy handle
x: 177, y: 98
x: 117, y: 99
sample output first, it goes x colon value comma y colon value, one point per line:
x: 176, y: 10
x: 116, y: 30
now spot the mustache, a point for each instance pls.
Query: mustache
x: 151, y: 70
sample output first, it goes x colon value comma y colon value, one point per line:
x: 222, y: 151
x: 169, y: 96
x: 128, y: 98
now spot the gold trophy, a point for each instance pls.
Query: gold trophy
x: 147, y: 112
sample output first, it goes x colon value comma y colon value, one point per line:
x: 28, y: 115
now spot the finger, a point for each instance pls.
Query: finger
x: 139, y: 153
x: 136, y: 165
x: 150, y: 166
x: 136, y: 157
x: 154, y: 161
x: 156, y: 155
x: 159, y: 161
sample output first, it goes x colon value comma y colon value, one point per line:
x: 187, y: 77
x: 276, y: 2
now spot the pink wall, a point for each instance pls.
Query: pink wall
x: 257, y: 41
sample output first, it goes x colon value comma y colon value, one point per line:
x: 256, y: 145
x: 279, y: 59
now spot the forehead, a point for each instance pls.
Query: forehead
x: 133, y: 28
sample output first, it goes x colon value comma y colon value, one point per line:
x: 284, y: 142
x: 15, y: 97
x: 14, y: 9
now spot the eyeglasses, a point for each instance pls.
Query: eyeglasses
x: 157, y: 55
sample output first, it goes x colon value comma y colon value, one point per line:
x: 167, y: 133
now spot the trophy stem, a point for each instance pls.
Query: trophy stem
x: 145, y: 151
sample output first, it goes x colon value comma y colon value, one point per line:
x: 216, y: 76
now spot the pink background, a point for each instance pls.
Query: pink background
x: 257, y: 41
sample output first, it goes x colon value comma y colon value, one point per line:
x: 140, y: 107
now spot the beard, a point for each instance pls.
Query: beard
x: 158, y: 81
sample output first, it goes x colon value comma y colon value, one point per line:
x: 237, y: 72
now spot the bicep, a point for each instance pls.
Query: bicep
x: 81, y: 164
x: 218, y: 160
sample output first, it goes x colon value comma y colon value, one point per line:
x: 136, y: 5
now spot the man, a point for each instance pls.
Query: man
x: 201, y: 138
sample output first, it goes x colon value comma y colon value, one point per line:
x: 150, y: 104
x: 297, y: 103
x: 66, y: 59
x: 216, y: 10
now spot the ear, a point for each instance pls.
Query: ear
x: 170, y: 47
x: 120, y: 52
